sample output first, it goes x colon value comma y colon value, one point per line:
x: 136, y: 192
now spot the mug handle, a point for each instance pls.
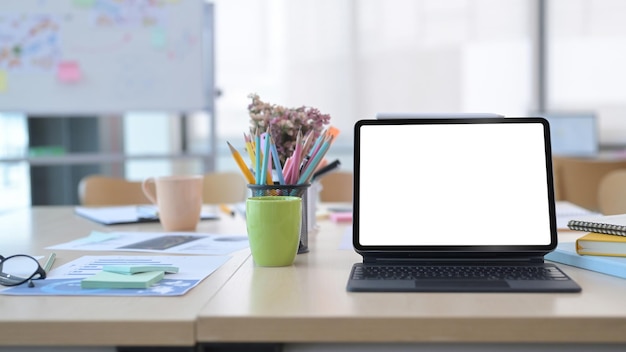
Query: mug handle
x: 149, y: 192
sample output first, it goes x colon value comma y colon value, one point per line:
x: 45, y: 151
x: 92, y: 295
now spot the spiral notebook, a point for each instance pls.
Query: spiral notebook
x: 606, y: 224
x: 454, y: 195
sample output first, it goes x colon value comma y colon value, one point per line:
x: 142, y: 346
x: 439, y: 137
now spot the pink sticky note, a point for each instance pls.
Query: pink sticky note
x: 341, y: 216
x: 68, y: 72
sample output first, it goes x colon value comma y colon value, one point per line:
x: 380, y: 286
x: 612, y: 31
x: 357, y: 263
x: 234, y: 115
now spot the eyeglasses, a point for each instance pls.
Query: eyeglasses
x: 18, y: 269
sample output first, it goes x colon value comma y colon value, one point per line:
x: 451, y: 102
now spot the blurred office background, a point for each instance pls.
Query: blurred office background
x: 351, y: 59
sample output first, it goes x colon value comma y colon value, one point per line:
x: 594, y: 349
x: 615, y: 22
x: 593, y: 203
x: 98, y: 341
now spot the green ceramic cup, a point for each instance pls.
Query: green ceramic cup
x: 273, y: 224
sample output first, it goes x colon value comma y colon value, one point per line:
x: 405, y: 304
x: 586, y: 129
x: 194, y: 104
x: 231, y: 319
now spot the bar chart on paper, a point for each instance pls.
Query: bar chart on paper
x: 66, y: 280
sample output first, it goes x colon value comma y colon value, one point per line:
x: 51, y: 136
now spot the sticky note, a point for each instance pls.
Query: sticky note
x: 3, y: 81
x: 84, y: 3
x: 158, y: 38
x: 69, y: 72
x: 105, y: 279
x: 341, y: 216
x: 132, y: 269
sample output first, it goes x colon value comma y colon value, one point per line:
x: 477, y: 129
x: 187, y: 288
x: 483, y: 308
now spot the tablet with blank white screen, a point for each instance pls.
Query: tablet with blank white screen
x: 471, y: 195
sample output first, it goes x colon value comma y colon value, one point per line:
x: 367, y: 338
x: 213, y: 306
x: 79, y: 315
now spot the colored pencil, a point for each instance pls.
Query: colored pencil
x: 242, y: 165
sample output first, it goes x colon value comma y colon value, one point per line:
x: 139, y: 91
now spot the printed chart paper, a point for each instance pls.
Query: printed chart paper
x: 65, y: 280
x: 158, y: 242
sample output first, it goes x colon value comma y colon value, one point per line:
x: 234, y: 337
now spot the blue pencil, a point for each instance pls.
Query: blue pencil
x: 266, y: 157
x: 279, y: 168
x: 306, y: 175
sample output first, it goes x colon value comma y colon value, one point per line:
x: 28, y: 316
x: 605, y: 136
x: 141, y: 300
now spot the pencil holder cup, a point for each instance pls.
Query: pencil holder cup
x: 288, y: 190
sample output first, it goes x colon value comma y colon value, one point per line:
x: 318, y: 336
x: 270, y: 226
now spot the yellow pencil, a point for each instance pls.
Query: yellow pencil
x: 227, y: 210
x: 249, y: 148
x: 242, y: 165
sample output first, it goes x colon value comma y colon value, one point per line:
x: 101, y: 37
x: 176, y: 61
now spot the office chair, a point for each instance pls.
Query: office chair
x: 577, y: 179
x: 612, y: 193
x: 336, y: 187
x: 98, y: 190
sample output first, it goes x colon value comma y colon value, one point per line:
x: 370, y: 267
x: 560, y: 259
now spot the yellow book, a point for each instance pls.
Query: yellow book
x: 595, y: 243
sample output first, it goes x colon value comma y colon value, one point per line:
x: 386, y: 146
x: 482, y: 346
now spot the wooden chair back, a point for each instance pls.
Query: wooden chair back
x: 224, y: 187
x: 337, y: 187
x: 612, y: 193
x: 98, y: 190
x: 577, y: 179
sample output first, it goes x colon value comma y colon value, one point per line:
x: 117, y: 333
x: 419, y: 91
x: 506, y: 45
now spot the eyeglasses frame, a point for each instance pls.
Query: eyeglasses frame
x: 40, y: 270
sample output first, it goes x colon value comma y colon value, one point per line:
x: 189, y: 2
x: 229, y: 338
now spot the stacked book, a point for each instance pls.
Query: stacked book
x: 602, y: 248
x: 606, y: 235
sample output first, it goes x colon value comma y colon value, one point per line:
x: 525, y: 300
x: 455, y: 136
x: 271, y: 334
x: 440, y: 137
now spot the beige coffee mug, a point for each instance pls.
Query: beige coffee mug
x: 178, y: 199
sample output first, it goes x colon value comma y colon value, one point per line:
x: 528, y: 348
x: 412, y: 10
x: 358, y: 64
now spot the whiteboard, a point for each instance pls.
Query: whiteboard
x: 105, y: 56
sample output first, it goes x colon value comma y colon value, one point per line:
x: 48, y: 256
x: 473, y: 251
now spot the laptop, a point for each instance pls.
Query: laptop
x: 438, y: 198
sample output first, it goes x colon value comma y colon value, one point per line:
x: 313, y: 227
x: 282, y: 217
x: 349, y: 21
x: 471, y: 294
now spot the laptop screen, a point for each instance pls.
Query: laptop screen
x: 453, y: 184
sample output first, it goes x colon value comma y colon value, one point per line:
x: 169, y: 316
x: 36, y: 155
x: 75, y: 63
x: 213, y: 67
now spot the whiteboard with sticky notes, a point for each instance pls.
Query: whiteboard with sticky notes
x: 105, y: 56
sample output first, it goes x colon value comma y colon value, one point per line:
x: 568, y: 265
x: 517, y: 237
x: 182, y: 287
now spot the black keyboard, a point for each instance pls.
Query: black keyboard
x: 461, y: 272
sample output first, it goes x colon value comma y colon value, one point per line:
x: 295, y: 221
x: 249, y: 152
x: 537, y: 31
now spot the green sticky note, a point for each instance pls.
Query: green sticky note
x: 84, y: 3
x: 105, y: 279
x: 133, y: 269
x: 3, y: 81
x: 158, y: 38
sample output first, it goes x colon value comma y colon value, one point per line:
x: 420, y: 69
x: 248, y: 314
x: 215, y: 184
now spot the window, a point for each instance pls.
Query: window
x: 586, y: 56
x: 353, y: 59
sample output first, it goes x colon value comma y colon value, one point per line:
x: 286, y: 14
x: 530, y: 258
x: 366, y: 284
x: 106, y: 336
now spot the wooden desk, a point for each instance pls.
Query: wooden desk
x: 308, y: 302
x: 98, y: 321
